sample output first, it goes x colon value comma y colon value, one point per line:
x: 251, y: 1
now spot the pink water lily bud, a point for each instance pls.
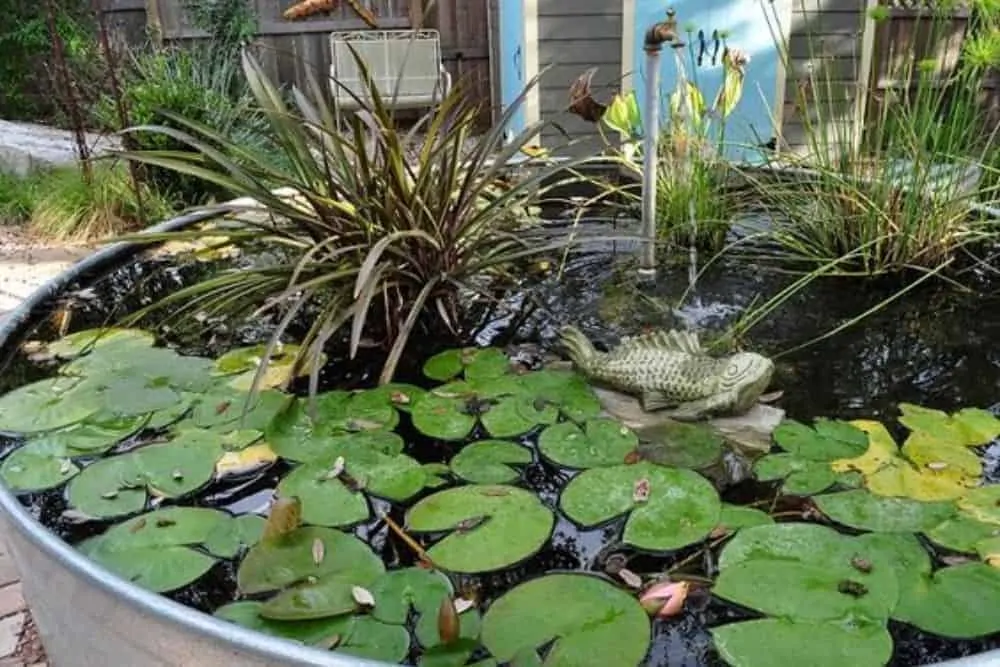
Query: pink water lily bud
x: 665, y: 599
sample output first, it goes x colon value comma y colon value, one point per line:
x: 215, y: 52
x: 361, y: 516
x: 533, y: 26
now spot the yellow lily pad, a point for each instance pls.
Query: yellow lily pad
x: 931, y: 453
x: 969, y: 427
x: 245, y: 460
x: 989, y: 551
x: 882, y: 450
x: 982, y: 504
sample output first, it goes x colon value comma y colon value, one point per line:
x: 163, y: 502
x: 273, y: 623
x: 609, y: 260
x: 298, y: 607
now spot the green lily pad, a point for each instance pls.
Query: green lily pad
x: 968, y: 427
x: 769, y: 642
x: 953, y: 602
x: 178, y: 467
x: 360, y: 636
x: 249, y: 358
x: 801, y: 477
x: 312, y: 599
x: 828, y: 440
x: 226, y: 406
x: 399, y: 395
x: 153, y: 550
x: 516, y: 415
x: 93, y: 436
x: 490, y: 526
x: 242, y: 531
x: 108, y: 488
x: 735, y: 517
x: 293, y: 436
x: 592, y: 622
x: 37, y: 466
x: 437, y: 475
x: 982, y: 504
x: 131, y: 396
x: 325, y: 501
x: 567, y: 390
x: 474, y: 362
x: 397, y: 477
x: 46, y: 405
x: 807, y: 572
x: 962, y: 533
x: 274, y: 564
x: 682, y: 506
x: 682, y: 445
x: 489, y: 461
x: 864, y: 510
x: 79, y: 342
x: 601, y: 442
x: 444, y: 418
x: 156, y: 366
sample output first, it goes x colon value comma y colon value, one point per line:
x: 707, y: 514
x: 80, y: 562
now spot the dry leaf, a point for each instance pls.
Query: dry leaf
x: 137, y: 526
x: 630, y: 578
x: 65, y: 467
x: 362, y: 596
x: 318, y: 551
x: 463, y: 605
x: 640, y: 493
x: 448, y: 623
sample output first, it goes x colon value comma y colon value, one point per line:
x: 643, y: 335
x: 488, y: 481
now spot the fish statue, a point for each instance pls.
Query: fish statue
x: 669, y: 369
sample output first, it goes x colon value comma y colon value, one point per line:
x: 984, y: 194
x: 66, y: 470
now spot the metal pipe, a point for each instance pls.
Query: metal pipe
x: 657, y: 35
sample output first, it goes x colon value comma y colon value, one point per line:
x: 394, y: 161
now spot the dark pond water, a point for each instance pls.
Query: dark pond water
x: 934, y: 347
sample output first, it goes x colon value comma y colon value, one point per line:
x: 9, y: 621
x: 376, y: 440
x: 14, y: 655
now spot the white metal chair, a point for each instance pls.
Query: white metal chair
x: 405, y: 66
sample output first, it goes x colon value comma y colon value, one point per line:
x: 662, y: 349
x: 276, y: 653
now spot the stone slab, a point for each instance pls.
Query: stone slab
x: 28, y: 146
x: 10, y: 633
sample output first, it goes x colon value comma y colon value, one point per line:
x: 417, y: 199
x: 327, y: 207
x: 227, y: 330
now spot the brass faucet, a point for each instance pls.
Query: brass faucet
x: 662, y: 32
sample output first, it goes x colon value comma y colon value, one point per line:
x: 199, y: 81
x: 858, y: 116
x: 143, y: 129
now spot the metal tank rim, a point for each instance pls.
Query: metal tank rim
x: 27, y: 535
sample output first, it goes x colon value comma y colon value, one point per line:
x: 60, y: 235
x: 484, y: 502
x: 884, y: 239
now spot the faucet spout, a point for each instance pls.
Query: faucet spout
x: 661, y: 33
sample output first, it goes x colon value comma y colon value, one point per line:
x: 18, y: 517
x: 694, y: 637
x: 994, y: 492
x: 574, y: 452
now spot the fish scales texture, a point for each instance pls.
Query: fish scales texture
x: 678, y: 375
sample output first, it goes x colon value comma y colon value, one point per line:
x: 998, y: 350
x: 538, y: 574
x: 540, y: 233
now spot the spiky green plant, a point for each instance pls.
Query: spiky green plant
x: 391, y: 230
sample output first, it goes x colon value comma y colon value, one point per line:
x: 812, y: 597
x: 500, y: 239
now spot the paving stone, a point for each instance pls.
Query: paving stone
x: 8, y: 569
x: 10, y: 633
x: 11, y: 599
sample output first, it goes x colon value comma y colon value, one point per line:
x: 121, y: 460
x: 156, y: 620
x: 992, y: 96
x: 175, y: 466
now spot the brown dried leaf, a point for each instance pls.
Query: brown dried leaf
x: 448, y: 623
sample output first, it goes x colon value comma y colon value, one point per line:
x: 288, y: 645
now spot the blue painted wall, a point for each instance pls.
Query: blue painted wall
x: 511, y: 52
x: 746, y: 23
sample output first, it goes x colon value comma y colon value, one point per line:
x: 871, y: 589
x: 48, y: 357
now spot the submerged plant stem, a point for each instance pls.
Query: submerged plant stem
x: 409, y: 541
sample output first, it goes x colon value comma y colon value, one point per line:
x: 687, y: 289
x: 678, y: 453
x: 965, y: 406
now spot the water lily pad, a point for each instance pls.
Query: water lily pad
x: 46, y: 405
x: 445, y: 418
x: 226, y: 406
x: 682, y: 507
x: 968, y: 427
x: 982, y: 504
x: 178, y: 467
x: 156, y: 366
x: 955, y: 602
x: 393, y: 477
x: 827, y: 440
x: 312, y: 599
x: 600, y: 442
x: 928, y: 451
x: 474, y: 362
x: 153, y: 550
x: 242, y: 364
x: 245, y: 460
x: 801, y: 477
x: 326, y: 501
x: 516, y: 415
x: 489, y: 526
x: 399, y: 395
x: 566, y: 390
x: 962, y: 533
x: 293, y: 436
x: 79, y: 342
x: 241, y: 531
x: 734, y: 517
x: 360, y: 636
x: 589, y: 622
x: 94, y: 435
x: 769, y: 642
x: 108, y: 488
x: 863, y: 510
x: 37, y: 466
x: 489, y: 461
x: 807, y: 573
x: 682, y: 445
x: 274, y: 564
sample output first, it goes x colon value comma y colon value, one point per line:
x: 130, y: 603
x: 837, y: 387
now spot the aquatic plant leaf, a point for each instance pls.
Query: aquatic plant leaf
x: 224, y: 405
x: 600, y: 442
x: 79, y: 342
x: 343, y: 412
x: 178, y: 467
x: 826, y: 575
x: 770, y: 641
x: 397, y: 478
x: 130, y: 396
x: 370, y: 639
x: 273, y: 565
x: 801, y: 477
x: 168, y: 416
x: 399, y: 395
x: 92, y: 436
x: 864, y: 510
x: 590, y: 622
x: 46, y: 405
x: 474, y: 362
x: 961, y: 533
x: 310, y: 600
x: 437, y: 474
x: 156, y: 366
x: 931, y: 453
x: 241, y: 531
x: 880, y: 452
x: 108, y: 488
x: 735, y: 517
x: 314, y: 632
x: 246, y: 460
x: 567, y: 390
x: 683, y: 507
x: 982, y: 504
x: 989, y: 551
x: 488, y: 461
x: 444, y: 418
x: 515, y: 415
x: 453, y: 654
x: 489, y: 527
x: 952, y: 602
x: 38, y: 465
x: 682, y: 445
x: 827, y: 440
x: 293, y: 435
x: 325, y: 502
x: 158, y: 569
x: 969, y: 427
x: 241, y: 366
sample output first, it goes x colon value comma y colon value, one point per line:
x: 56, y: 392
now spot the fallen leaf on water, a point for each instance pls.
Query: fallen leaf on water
x: 771, y: 397
x: 463, y: 605
x: 630, y: 578
x: 640, y: 492
x: 137, y: 526
x: 362, y: 596
x: 448, y: 623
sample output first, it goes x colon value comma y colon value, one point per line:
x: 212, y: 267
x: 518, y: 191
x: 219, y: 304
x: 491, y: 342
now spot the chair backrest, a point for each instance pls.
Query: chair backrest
x: 402, y: 63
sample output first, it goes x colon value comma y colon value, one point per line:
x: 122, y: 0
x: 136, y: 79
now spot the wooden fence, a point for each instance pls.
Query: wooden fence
x: 288, y: 49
